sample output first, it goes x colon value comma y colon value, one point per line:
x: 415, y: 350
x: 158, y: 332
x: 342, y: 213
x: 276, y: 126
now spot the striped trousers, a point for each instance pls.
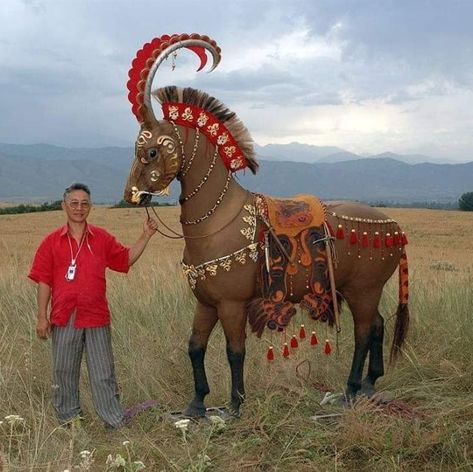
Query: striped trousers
x: 68, y: 345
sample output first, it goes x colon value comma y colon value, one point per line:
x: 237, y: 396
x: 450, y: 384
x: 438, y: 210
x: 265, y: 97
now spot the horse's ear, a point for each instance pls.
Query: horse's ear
x: 147, y: 116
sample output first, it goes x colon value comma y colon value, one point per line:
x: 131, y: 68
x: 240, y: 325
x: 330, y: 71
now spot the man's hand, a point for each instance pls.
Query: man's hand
x: 150, y: 227
x: 43, y: 328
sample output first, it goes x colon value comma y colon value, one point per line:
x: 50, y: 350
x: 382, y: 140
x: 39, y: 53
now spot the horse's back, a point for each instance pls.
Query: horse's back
x: 354, y: 209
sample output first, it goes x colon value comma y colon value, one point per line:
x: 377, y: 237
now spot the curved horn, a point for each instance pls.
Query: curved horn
x: 149, y: 58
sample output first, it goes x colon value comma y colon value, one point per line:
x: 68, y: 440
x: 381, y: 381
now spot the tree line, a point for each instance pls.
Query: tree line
x: 465, y: 203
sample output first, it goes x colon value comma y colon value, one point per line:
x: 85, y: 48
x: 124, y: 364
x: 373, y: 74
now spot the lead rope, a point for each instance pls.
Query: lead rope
x: 177, y: 235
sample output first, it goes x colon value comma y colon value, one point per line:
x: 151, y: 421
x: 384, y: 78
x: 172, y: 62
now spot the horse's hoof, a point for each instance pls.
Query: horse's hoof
x: 193, y: 411
x: 344, y: 401
x: 367, y: 389
x: 233, y: 411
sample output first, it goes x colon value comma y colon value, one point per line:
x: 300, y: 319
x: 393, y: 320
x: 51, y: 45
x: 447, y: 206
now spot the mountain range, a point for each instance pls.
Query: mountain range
x: 40, y: 172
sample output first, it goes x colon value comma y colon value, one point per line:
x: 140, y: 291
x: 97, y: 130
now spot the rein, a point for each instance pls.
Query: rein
x: 176, y: 235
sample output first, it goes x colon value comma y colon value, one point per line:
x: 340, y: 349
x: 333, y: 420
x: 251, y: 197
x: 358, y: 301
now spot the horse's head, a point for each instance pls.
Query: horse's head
x: 158, y: 153
x: 157, y: 162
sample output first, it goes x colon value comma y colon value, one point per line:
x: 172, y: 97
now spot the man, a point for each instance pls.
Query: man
x: 69, y: 267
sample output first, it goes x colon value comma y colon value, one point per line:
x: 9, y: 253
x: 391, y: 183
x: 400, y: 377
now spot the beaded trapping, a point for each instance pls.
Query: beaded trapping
x: 368, y: 234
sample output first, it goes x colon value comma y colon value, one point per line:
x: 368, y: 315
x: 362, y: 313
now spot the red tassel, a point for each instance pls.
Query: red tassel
x: 403, y: 238
x: 270, y: 354
x: 340, y: 233
x: 377, y: 240
x: 294, y: 343
x: 328, y: 347
x: 397, y: 238
x: 388, y: 240
x: 302, y: 332
x: 313, y: 339
x: 285, y: 351
x: 353, y: 237
x: 365, y: 240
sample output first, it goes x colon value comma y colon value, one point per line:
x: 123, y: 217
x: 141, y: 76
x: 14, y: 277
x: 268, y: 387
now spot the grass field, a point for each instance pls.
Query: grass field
x: 431, y: 429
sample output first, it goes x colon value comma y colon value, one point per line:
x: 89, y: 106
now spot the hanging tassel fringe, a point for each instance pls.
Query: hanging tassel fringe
x: 302, y: 332
x: 353, y: 237
x: 285, y: 351
x: 313, y: 339
x: 270, y: 354
x: 397, y: 239
x: 328, y: 347
x: 403, y: 239
x: 377, y: 240
x: 340, y: 232
x: 294, y: 343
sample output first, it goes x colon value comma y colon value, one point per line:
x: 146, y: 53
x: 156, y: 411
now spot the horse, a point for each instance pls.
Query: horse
x: 201, y: 143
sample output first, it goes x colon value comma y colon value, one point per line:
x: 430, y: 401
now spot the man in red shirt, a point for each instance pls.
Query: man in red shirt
x: 69, y: 267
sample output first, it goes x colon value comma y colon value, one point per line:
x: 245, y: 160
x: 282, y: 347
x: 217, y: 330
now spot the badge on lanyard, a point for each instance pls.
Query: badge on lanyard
x: 71, y: 272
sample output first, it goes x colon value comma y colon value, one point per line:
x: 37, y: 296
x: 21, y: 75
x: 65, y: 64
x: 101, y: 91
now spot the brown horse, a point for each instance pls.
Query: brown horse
x: 201, y: 143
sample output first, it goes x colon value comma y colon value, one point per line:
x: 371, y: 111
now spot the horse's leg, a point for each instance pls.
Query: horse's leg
x: 376, y: 362
x: 233, y: 318
x: 364, y: 308
x: 205, y: 319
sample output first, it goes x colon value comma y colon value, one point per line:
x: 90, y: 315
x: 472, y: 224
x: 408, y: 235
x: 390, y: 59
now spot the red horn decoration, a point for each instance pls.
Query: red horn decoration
x: 150, y: 56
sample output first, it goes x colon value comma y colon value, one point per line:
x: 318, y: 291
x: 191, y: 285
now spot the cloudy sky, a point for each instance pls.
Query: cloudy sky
x: 365, y: 75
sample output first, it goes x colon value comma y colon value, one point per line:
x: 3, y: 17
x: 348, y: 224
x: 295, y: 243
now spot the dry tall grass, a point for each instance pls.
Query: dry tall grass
x: 152, y: 312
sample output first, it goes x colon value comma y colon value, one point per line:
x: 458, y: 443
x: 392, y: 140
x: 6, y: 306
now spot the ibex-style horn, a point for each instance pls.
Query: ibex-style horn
x: 149, y: 58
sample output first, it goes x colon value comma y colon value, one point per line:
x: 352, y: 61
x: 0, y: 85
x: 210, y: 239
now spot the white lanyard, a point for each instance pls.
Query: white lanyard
x: 71, y: 271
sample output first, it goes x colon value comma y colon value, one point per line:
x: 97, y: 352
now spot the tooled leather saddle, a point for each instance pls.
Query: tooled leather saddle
x: 294, y: 234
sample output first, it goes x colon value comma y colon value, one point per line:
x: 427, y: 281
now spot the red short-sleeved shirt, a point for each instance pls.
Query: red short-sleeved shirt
x: 86, y: 293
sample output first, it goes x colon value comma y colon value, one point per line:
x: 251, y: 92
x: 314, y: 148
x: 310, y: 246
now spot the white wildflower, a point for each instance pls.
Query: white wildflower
x: 116, y: 462
x: 125, y: 443
x: 86, y: 460
x: 218, y: 423
x: 183, y: 425
x: 12, y: 419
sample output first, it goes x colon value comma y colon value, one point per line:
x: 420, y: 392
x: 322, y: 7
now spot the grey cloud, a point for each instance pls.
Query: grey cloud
x: 70, y: 59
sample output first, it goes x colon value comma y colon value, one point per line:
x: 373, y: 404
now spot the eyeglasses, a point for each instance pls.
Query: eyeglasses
x: 76, y: 205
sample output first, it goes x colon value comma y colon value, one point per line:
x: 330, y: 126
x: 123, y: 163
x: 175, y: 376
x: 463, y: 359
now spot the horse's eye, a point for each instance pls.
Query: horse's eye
x: 152, y: 153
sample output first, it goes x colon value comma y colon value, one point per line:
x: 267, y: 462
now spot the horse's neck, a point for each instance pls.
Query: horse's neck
x: 209, y: 192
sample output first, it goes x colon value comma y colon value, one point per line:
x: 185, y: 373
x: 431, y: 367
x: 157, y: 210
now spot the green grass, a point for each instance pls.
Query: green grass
x: 152, y: 314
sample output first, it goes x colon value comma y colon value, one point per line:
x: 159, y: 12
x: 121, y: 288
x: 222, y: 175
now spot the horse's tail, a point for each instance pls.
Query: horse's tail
x: 402, y: 314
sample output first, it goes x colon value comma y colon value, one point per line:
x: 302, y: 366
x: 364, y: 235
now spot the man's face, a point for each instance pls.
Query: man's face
x: 77, y: 206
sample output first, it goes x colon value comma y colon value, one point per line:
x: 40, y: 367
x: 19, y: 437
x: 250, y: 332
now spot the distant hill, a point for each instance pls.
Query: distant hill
x: 296, y: 152
x: 39, y: 173
x: 309, y: 153
x: 369, y: 180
